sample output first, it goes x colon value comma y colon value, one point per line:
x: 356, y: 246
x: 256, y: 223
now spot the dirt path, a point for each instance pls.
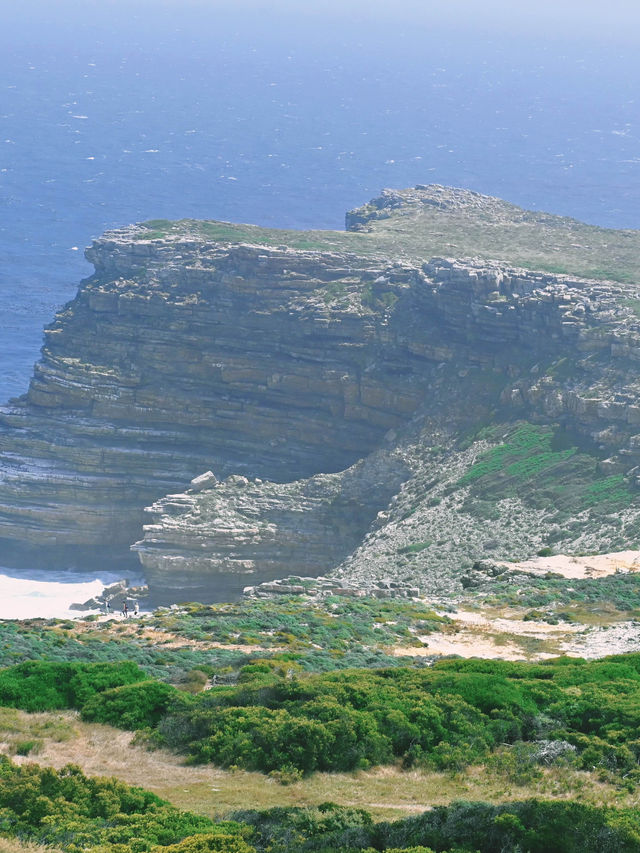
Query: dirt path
x: 505, y: 636
x: 593, y: 566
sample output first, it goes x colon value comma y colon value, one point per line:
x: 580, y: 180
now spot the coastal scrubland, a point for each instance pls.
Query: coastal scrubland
x: 270, y: 747
x: 336, y: 722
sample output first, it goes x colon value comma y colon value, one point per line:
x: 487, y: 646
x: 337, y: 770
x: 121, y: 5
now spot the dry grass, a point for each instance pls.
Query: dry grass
x: 495, y: 229
x: 386, y: 792
x: 12, y: 845
x: 20, y: 731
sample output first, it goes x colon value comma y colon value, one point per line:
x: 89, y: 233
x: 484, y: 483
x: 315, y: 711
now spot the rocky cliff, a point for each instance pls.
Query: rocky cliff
x: 336, y: 391
x: 178, y: 356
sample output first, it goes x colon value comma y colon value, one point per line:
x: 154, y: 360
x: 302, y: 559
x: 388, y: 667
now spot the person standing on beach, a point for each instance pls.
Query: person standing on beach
x: 125, y: 609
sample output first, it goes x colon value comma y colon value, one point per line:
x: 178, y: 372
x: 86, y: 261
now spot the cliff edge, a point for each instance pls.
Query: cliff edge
x: 362, y: 406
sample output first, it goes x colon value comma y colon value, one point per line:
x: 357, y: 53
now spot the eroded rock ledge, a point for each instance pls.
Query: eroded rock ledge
x: 312, y: 383
x: 252, y: 528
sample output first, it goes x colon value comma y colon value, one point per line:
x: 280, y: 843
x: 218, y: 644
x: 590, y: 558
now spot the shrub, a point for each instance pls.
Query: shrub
x: 132, y: 706
x: 67, y: 809
x: 26, y: 747
x: 209, y: 843
x: 54, y: 685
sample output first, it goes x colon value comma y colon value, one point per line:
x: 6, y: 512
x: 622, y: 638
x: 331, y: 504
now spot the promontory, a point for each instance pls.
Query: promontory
x: 450, y: 379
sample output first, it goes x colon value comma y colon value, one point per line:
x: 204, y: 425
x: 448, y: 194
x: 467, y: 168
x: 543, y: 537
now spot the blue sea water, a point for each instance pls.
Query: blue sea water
x: 113, y: 112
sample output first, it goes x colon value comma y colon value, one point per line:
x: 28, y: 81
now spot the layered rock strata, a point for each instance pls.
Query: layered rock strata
x: 182, y: 355
x: 179, y: 356
x: 487, y: 338
x: 254, y: 528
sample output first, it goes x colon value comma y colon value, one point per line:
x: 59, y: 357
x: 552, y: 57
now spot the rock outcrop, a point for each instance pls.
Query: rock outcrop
x: 298, y: 389
x: 240, y: 528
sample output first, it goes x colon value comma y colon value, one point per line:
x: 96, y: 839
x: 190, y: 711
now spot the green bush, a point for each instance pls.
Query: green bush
x: 67, y: 809
x: 447, y: 716
x: 534, y: 826
x: 131, y: 706
x: 53, y: 685
x: 91, y: 679
x: 26, y: 747
x: 77, y: 813
x: 452, y: 714
x: 209, y: 843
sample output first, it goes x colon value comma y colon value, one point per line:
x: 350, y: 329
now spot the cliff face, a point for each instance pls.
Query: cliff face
x: 543, y: 358
x: 179, y: 356
x: 313, y: 383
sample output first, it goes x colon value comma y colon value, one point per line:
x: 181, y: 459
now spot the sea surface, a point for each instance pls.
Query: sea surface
x: 50, y: 594
x: 114, y: 112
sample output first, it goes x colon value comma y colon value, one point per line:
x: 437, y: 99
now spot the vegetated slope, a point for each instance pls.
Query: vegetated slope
x: 77, y: 813
x: 505, y: 492
x: 557, y: 727
x: 445, y: 717
x: 316, y: 374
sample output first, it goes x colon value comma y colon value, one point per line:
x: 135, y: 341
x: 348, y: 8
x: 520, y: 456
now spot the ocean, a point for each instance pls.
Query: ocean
x: 115, y: 112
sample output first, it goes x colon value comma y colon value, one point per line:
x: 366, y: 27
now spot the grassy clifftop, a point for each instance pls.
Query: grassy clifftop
x: 428, y: 221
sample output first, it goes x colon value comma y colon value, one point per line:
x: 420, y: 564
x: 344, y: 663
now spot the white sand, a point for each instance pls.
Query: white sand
x: 594, y: 566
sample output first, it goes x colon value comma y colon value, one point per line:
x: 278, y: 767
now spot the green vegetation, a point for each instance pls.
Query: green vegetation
x: 290, y: 710
x: 341, y: 626
x: 525, y: 453
x: 498, y: 230
x: 620, y: 592
x: 75, y: 813
x: 48, y: 686
x: 131, y: 706
x: 533, y: 826
x: 78, y: 813
x: 229, y: 232
x: 633, y: 304
x: 445, y: 717
x: 275, y: 714
x: 415, y: 548
x: 378, y: 298
x: 542, y: 466
x: 340, y: 633
x: 106, y: 642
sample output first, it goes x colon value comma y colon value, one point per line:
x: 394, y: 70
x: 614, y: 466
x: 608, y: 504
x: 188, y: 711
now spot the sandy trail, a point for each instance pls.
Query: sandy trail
x: 592, y: 566
x: 477, y: 635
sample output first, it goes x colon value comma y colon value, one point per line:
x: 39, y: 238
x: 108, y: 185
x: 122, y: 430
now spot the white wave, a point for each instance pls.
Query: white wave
x: 25, y: 598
